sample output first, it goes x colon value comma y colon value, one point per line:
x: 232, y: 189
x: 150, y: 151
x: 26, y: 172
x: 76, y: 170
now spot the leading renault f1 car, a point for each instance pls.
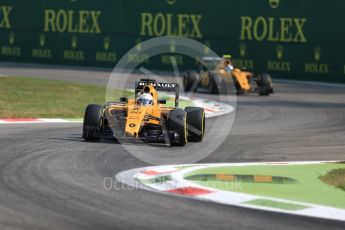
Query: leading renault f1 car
x: 145, y: 117
x: 215, y: 75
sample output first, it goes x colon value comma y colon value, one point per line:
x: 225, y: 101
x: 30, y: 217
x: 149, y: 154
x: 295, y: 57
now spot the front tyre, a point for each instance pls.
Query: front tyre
x: 92, y: 122
x: 264, y: 84
x: 177, y: 127
x: 189, y: 78
x: 196, y: 123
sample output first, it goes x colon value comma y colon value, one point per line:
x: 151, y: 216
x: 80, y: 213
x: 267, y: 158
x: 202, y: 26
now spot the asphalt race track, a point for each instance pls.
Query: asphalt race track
x: 51, y: 179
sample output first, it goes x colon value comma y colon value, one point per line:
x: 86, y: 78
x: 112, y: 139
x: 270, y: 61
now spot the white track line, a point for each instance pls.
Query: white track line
x: 38, y: 121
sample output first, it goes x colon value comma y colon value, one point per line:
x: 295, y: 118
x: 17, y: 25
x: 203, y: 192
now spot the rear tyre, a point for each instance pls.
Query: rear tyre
x: 189, y: 78
x: 213, y: 86
x: 196, y: 123
x: 264, y: 83
x: 239, y: 90
x: 92, y: 122
x: 177, y: 127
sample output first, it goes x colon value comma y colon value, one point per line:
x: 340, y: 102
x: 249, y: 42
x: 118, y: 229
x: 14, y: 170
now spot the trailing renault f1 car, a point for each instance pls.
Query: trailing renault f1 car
x: 215, y: 75
x: 145, y: 117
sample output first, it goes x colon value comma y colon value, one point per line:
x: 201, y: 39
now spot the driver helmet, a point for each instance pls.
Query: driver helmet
x: 227, y: 59
x: 145, y: 99
x: 227, y: 63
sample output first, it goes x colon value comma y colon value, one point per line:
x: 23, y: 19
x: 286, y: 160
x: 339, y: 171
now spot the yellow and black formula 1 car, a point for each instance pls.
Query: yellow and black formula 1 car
x: 215, y: 75
x: 145, y: 118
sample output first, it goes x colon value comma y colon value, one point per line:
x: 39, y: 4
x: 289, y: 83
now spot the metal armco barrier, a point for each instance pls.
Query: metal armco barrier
x: 287, y: 38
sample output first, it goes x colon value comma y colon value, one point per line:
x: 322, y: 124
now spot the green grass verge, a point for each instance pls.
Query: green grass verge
x: 276, y: 204
x: 335, y: 177
x: 171, y: 101
x: 309, y: 188
x: 37, y: 98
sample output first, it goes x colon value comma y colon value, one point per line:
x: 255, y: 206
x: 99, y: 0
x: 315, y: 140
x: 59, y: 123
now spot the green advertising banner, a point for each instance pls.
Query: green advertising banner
x: 287, y: 38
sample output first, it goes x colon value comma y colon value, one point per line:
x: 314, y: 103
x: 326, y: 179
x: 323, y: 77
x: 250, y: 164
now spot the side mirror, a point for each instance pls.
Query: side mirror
x: 162, y: 101
x: 123, y: 99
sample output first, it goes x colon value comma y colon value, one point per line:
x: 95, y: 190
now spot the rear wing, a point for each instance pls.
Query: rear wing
x: 211, y: 59
x: 159, y: 86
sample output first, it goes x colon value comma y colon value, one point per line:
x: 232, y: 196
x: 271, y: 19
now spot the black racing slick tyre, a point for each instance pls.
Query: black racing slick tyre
x: 196, y: 123
x: 177, y: 127
x: 264, y: 83
x: 238, y: 88
x: 92, y: 122
x: 213, y: 86
x: 189, y: 78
